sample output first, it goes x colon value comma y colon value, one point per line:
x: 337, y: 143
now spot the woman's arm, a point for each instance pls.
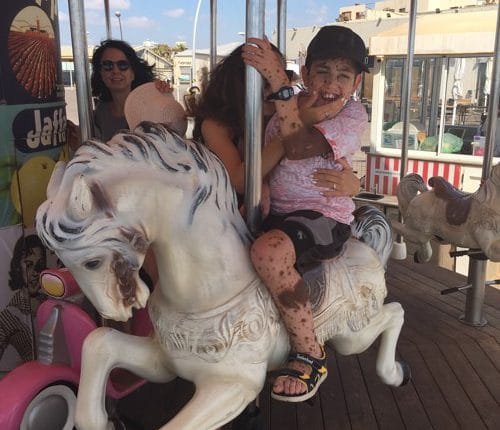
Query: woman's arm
x: 217, y: 137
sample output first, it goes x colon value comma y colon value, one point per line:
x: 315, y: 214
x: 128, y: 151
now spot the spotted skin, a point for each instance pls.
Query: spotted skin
x: 273, y: 256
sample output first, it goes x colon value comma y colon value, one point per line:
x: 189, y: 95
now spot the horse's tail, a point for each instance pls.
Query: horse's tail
x: 409, y: 186
x: 371, y: 227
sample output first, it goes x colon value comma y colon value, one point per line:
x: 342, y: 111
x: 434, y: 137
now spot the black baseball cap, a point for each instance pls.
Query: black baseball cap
x: 335, y: 41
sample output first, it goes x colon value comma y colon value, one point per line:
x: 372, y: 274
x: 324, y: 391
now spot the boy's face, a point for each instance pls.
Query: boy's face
x: 331, y: 79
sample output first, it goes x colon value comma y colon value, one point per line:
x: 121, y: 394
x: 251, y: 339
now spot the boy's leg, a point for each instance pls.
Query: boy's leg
x: 273, y: 256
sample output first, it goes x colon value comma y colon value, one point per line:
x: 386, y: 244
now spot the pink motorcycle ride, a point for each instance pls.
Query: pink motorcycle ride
x: 41, y: 394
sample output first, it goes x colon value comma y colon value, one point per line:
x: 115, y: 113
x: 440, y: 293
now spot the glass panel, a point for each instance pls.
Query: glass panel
x: 392, y: 125
x: 464, y: 100
x: 463, y: 111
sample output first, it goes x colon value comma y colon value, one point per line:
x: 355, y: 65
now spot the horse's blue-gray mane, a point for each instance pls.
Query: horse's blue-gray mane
x: 149, y: 146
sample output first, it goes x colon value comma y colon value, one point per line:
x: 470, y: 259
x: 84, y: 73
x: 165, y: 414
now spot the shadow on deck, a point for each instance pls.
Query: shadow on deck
x: 455, y: 368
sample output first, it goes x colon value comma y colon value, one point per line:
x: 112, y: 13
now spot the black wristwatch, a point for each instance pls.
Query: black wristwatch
x: 284, y: 94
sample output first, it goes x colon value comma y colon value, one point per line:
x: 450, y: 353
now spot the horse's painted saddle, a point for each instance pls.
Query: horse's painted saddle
x: 458, y: 203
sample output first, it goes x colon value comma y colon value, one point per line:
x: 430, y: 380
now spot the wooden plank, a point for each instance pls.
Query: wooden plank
x: 486, y: 406
x: 283, y: 416
x: 432, y: 400
x: 440, y: 278
x: 431, y: 271
x: 309, y: 415
x: 483, y: 365
x: 264, y: 403
x: 152, y: 405
x: 402, y: 293
x: 492, y: 350
x: 492, y: 296
x: 414, y: 284
x: 360, y: 411
x: 435, y: 325
x: 450, y: 387
x: 332, y: 397
x: 382, y: 399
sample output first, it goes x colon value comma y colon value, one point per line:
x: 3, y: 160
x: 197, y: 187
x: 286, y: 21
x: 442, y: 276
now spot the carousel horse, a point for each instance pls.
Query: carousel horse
x: 214, y: 321
x: 468, y: 220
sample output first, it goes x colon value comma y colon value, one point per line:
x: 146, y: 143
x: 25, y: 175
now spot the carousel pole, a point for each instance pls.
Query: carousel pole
x: 282, y: 26
x: 109, y: 34
x: 80, y: 58
x: 193, y: 56
x: 253, y: 120
x: 213, y: 34
x: 399, y: 249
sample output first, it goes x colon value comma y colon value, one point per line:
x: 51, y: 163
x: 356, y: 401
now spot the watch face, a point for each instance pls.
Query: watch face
x: 284, y: 93
x: 287, y: 93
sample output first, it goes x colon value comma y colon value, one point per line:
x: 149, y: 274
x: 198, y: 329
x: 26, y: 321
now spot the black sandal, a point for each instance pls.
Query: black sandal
x: 311, y: 381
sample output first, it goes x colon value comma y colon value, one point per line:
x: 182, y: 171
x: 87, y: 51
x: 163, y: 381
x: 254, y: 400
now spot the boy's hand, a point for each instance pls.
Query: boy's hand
x: 310, y: 114
x: 260, y: 54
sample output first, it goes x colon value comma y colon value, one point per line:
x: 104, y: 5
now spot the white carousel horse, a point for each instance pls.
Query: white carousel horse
x: 449, y: 215
x: 214, y: 320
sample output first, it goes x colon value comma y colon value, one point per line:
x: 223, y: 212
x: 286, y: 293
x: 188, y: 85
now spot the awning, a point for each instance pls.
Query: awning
x: 468, y: 33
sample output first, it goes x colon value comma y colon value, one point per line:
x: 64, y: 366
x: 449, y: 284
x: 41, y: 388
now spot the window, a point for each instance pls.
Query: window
x: 448, y: 103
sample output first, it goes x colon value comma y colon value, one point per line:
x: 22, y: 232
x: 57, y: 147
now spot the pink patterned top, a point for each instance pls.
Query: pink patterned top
x: 290, y: 183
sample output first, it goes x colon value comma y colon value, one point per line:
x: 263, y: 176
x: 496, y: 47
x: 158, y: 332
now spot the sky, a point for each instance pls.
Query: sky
x: 171, y: 21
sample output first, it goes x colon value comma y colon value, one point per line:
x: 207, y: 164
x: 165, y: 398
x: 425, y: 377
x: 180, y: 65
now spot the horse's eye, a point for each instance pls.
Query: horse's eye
x: 92, y: 264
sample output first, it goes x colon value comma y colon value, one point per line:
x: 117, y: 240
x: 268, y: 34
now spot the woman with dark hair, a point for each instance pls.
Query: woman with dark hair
x: 28, y: 260
x: 116, y: 71
x: 220, y: 119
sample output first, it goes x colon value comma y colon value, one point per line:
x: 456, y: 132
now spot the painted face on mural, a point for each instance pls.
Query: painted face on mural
x: 32, y: 264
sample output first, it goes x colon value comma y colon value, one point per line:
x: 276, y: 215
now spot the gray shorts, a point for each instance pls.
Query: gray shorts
x: 315, y: 237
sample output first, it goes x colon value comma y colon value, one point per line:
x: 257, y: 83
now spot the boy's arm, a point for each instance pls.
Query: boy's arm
x: 299, y: 140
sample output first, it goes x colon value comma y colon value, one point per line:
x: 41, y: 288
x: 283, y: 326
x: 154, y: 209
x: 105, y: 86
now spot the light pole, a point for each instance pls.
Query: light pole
x: 193, y: 58
x: 118, y: 15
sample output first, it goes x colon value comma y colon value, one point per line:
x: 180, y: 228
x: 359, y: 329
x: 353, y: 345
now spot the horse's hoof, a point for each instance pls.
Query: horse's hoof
x: 405, y: 367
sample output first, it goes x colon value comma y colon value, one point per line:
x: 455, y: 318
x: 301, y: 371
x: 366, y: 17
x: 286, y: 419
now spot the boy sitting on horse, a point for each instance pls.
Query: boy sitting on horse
x: 305, y: 226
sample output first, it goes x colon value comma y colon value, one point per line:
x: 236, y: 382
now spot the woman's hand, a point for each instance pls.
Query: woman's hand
x: 163, y: 86
x: 337, y: 183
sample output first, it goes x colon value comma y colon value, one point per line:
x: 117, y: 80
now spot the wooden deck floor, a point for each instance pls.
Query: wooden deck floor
x: 455, y: 370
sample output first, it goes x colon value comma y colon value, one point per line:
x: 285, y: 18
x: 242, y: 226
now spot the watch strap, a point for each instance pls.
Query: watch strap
x: 284, y: 93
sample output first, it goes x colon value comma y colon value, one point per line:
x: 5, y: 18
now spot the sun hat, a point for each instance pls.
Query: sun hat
x: 147, y: 103
x: 335, y: 41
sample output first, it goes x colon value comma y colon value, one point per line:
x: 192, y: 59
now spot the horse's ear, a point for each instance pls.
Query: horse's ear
x: 55, y: 179
x: 80, y: 199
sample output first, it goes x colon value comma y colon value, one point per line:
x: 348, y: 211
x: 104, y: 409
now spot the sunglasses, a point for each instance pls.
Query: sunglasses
x: 108, y: 65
